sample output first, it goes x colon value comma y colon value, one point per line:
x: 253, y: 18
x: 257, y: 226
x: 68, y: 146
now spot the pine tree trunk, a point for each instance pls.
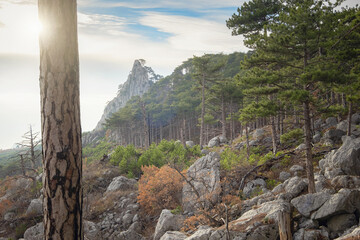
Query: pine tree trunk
x: 60, y: 120
x: 223, y: 117
x: 309, y: 162
x: 202, y: 125
x: 349, y: 119
x: 273, y: 134
x: 247, y: 141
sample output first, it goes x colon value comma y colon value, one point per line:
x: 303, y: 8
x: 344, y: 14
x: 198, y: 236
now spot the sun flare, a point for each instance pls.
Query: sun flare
x: 36, y: 27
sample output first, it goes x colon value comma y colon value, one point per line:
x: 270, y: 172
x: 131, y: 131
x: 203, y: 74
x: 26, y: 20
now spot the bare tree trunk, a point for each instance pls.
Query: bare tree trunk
x: 273, y: 134
x: 60, y: 120
x: 284, y: 225
x: 349, y: 119
x: 146, y: 126
x: 309, y: 162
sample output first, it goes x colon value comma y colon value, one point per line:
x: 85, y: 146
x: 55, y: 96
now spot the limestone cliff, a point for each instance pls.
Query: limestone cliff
x: 140, y: 79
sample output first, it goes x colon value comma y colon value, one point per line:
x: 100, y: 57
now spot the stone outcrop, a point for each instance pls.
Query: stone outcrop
x: 138, y: 82
x: 173, y: 235
x: 346, y: 160
x: 35, y: 208
x: 167, y: 222
x: 203, y: 183
x: 121, y: 183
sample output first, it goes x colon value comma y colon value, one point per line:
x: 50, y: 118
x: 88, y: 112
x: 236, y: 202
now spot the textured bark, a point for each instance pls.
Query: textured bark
x: 348, y: 132
x: 273, y: 134
x: 284, y: 225
x: 60, y: 120
x: 202, y: 125
x: 223, y: 117
x: 309, y: 162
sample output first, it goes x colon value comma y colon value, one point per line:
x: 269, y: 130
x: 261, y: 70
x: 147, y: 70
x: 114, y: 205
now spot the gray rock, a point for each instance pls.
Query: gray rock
x: 264, y: 232
x: 239, y: 146
x: 296, y: 168
x: 129, y: 234
x: 328, y: 142
x: 203, y: 233
x: 331, y: 121
x: 127, y: 220
x: 167, y: 222
x: 35, y: 232
x: 270, y: 209
x: 173, y: 235
x: 294, y: 186
x: 190, y: 144
x: 254, y: 185
x: 334, y: 135
x: 340, y: 223
x: 214, y: 142
x: 223, y: 139
x: 355, y: 234
x: 301, y: 147
x: 253, y: 143
x: 309, y: 234
x: 91, y: 230
x: 35, y: 208
x: 308, y: 203
x: 318, y: 123
x: 121, y: 183
x: 317, y: 138
x: 345, y: 201
x: 284, y: 176
x: 343, y: 126
x: 355, y: 118
x: 309, y: 224
x: 204, y: 175
x: 346, y: 181
x: 205, y: 151
x: 259, y: 134
x: 9, y: 216
x: 346, y: 158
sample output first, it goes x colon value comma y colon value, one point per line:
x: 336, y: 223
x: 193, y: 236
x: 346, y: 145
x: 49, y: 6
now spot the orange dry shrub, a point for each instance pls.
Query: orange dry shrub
x: 4, y: 206
x: 159, y: 189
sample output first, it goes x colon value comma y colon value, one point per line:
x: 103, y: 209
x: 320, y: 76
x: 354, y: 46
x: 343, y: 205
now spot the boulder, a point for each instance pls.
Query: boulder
x: 253, y: 143
x: 317, y: 138
x: 355, y: 234
x: 204, y: 176
x: 345, y: 201
x: 35, y: 208
x: 331, y: 121
x: 173, y: 235
x: 318, y: 123
x: 308, y: 223
x: 129, y: 234
x: 35, y: 232
x: 205, y: 151
x: 310, y: 234
x: 167, y: 222
x: 91, y: 230
x: 264, y: 232
x: 308, y: 203
x: 203, y: 233
x: 269, y: 210
x: 355, y: 118
x: 256, y: 185
x: 239, y: 146
x: 334, y: 135
x: 223, y: 139
x: 343, y: 126
x: 259, y: 134
x: 346, y: 181
x: 121, y: 183
x: 284, y: 176
x: 9, y: 216
x: 294, y: 186
x: 301, y: 147
x: 346, y: 158
x: 296, y: 168
x: 190, y: 144
x: 340, y: 223
x: 214, y: 142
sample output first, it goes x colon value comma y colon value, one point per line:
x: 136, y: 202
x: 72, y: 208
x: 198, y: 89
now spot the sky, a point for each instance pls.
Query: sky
x: 112, y: 34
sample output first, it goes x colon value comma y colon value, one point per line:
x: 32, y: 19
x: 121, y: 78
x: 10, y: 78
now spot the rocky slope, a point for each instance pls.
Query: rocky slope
x: 140, y: 79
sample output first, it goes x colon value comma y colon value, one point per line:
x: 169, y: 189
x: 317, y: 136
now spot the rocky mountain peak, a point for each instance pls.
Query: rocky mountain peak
x: 139, y: 80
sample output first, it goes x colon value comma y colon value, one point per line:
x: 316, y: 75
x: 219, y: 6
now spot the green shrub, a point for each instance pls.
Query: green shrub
x: 229, y: 159
x: 271, y: 183
x: 97, y: 152
x: 265, y: 158
x: 293, y: 137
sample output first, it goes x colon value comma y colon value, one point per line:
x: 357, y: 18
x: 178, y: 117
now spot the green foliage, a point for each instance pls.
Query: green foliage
x: 271, y: 183
x: 20, y: 230
x: 97, y: 152
x: 265, y: 158
x: 229, y: 159
x: 130, y: 160
x: 293, y: 137
x: 177, y: 210
x: 285, y: 161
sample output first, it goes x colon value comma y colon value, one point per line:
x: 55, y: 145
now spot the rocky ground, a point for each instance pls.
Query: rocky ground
x: 269, y: 190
